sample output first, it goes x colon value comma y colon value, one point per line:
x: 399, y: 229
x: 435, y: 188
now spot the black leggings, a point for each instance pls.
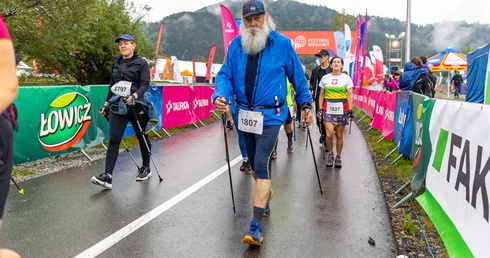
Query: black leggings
x: 6, y: 160
x: 117, y: 125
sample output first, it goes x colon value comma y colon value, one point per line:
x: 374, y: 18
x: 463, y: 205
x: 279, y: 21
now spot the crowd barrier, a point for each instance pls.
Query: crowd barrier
x: 54, y: 120
x: 450, y: 154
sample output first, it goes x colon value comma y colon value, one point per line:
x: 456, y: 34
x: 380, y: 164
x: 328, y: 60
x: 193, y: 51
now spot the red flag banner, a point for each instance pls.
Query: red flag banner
x: 209, y: 63
x: 157, y: 48
x: 194, y: 70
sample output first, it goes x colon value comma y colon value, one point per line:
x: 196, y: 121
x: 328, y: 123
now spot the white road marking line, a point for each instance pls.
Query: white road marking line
x: 141, y: 221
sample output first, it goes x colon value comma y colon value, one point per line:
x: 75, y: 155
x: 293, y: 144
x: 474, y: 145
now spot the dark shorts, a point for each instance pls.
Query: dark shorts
x: 6, y: 160
x: 289, y: 119
x: 339, y: 120
x: 259, y: 150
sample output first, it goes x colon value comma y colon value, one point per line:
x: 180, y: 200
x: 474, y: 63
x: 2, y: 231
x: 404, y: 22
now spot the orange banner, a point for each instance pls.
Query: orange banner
x: 310, y: 42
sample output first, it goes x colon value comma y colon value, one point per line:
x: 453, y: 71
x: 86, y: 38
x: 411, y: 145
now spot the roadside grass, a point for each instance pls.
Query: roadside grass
x: 400, y: 171
x: 401, y: 168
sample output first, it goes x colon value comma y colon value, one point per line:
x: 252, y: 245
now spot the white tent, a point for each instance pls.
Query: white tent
x: 24, y: 70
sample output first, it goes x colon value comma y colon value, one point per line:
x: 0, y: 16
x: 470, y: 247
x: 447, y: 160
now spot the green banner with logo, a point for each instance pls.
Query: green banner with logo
x: 58, y: 119
x: 421, y: 153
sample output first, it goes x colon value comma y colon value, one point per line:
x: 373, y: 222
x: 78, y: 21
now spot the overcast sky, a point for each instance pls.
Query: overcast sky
x: 422, y: 11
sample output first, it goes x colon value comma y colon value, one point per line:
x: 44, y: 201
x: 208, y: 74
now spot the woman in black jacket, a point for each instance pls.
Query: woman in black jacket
x: 127, y: 69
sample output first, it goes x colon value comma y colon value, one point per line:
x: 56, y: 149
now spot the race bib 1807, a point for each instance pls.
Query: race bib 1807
x: 250, y: 121
x: 335, y: 108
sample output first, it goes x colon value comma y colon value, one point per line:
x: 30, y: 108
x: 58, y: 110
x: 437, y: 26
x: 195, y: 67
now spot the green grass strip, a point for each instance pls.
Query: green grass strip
x: 454, y: 242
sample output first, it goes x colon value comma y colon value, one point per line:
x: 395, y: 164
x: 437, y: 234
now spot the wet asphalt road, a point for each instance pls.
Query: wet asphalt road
x: 190, y: 213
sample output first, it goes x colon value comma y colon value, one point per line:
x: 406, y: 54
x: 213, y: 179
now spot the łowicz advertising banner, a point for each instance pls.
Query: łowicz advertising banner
x: 60, y: 119
x: 310, y: 42
x: 176, y: 106
x: 457, y: 193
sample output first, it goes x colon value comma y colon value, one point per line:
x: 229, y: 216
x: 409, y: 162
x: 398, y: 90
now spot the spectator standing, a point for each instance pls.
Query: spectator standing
x: 415, y: 78
x: 391, y: 81
x: 457, y: 81
x: 432, y: 79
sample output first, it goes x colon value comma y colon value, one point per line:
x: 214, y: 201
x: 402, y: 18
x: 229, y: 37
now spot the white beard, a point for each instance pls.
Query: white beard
x: 254, y: 39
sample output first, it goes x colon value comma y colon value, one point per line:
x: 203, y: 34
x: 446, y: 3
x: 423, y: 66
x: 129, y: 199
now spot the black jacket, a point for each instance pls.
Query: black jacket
x: 136, y: 70
x: 314, y: 81
x: 422, y: 85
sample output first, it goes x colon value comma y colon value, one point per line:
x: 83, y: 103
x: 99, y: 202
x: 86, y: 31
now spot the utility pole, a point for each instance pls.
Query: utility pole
x: 407, y: 44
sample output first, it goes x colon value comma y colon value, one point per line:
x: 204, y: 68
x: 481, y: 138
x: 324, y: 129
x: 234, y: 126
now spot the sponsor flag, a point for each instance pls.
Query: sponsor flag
x: 157, y: 48
x: 194, y: 69
x: 340, y: 43
x: 357, y: 52
x: 209, y: 63
x: 347, y: 42
x: 229, y: 27
x: 378, y: 55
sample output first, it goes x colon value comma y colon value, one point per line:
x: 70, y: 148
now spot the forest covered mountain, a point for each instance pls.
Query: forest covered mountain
x: 189, y: 35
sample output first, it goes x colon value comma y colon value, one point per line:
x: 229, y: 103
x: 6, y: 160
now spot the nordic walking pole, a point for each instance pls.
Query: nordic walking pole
x: 228, y: 159
x: 21, y: 191
x: 126, y: 147
x: 314, y: 159
x: 146, y: 143
x: 350, y: 122
x: 294, y: 128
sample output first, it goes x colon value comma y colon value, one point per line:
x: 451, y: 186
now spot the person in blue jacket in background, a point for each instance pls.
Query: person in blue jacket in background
x: 255, y: 70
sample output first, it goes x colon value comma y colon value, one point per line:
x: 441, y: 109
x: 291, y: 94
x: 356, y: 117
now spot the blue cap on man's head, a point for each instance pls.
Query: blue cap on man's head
x: 126, y: 37
x: 253, y: 7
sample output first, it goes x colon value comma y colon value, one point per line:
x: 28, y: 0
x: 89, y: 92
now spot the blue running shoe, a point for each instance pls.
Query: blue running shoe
x: 254, y: 234
x: 267, y: 210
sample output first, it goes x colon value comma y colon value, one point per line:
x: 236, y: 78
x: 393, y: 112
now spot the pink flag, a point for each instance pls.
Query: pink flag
x: 364, y: 45
x: 357, y: 52
x: 389, y: 116
x: 229, y: 27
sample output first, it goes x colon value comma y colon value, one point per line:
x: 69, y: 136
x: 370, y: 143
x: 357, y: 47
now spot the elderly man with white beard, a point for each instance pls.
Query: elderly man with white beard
x: 255, y: 70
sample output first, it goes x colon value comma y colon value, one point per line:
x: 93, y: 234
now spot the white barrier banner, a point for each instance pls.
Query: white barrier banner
x: 457, y: 176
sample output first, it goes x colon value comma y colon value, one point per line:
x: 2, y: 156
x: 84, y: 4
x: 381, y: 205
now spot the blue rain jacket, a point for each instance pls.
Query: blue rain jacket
x: 276, y: 62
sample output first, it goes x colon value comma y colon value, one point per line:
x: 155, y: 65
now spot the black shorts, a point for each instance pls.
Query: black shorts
x: 289, y: 119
